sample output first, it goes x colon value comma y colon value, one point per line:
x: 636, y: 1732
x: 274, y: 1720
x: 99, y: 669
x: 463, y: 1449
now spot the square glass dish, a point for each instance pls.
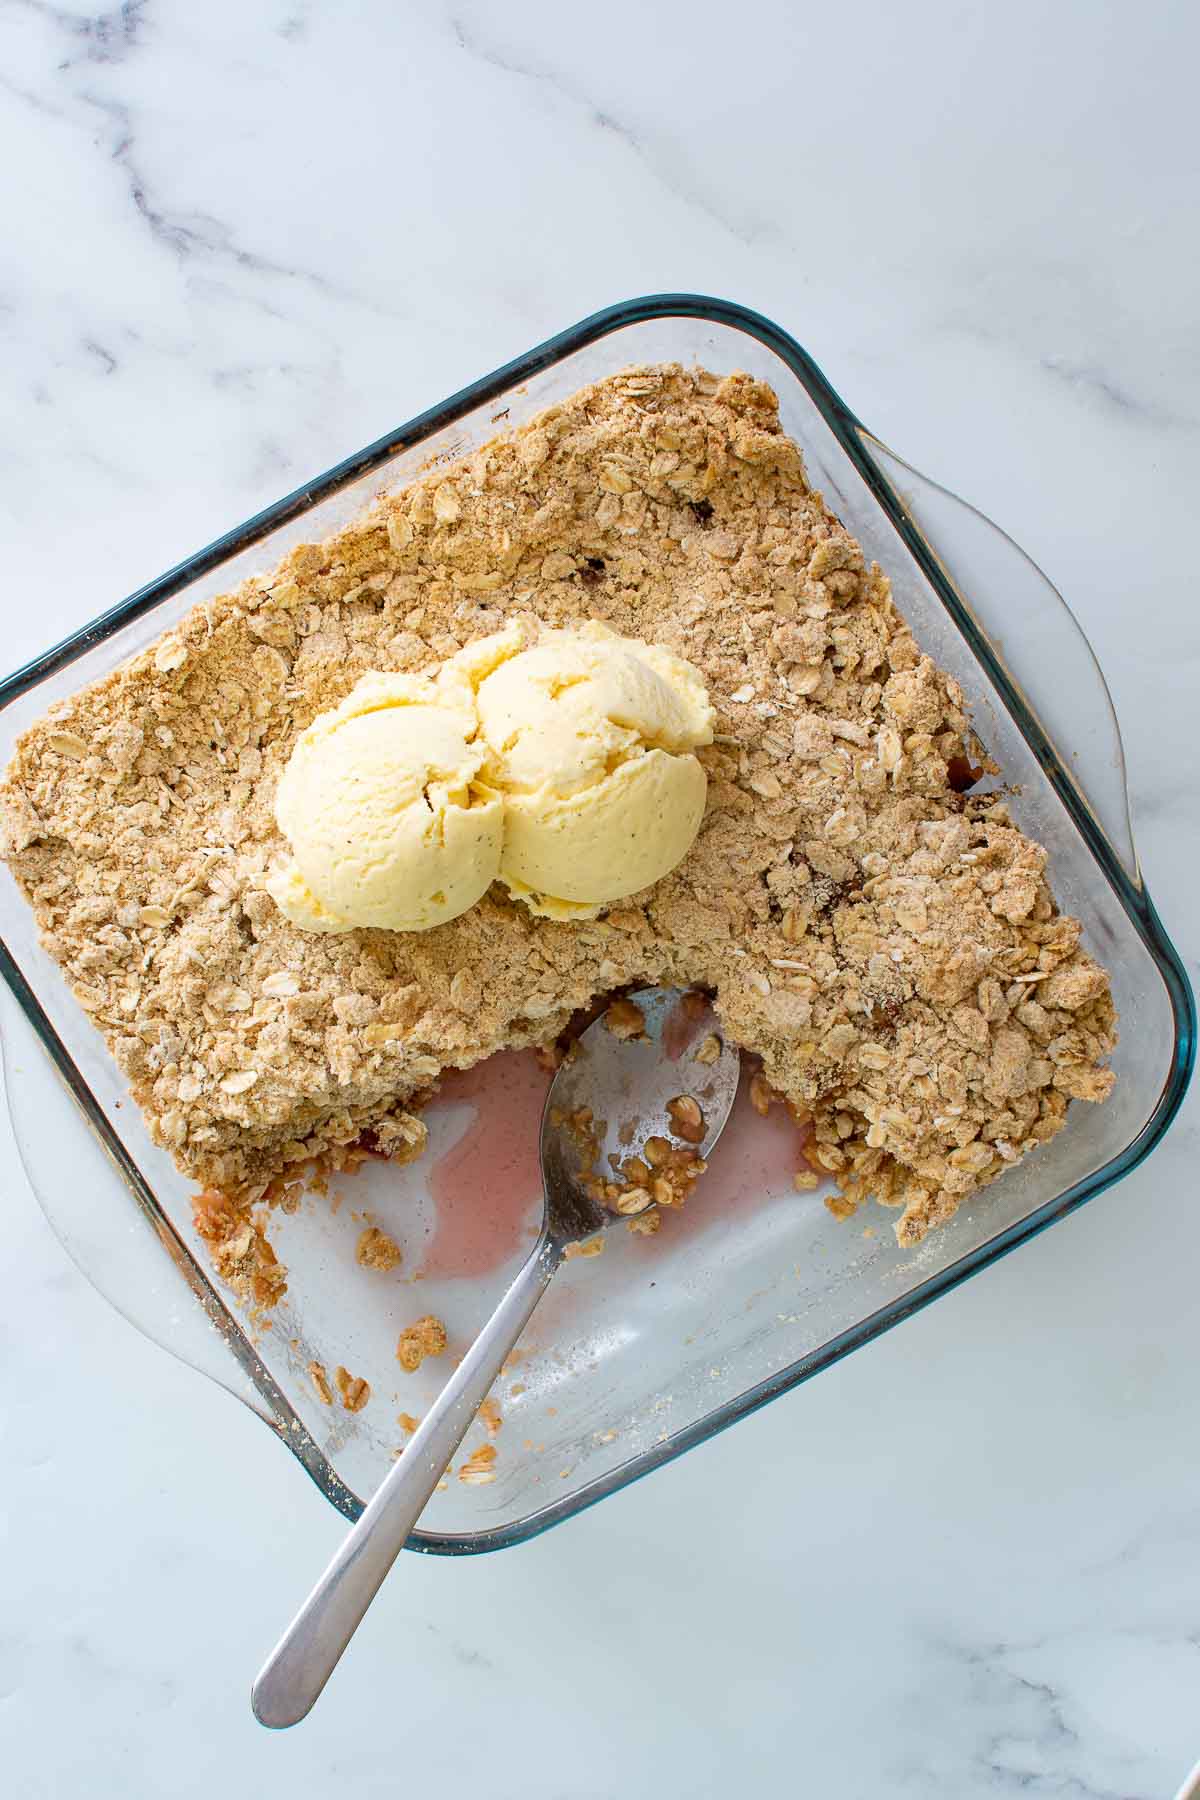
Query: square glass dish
x: 637, y: 1355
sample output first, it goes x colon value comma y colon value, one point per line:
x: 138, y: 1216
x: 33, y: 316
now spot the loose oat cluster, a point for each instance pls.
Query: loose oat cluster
x: 427, y: 1337
x: 376, y: 1250
x: 885, y: 943
x: 353, y: 1390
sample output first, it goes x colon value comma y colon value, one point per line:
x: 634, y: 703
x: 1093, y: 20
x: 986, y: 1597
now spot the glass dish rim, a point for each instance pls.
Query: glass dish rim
x: 852, y: 436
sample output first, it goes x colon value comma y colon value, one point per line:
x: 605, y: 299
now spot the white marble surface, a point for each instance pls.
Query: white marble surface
x: 239, y: 241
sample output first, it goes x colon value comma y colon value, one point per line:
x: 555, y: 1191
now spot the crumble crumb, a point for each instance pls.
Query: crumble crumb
x: 686, y: 1118
x: 354, y: 1390
x: 376, y: 1250
x: 593, y: 1246
x: 625, y: 1020
x: 477, y: 1470
x: 320, y: 1381
x: 490, y: 1416
x: 762, y: 1094
x: 240, y: 1251
x: 426, y: 1338
x: 664, y: 1176
x: 673, y: 1170
x: 408, y: 1421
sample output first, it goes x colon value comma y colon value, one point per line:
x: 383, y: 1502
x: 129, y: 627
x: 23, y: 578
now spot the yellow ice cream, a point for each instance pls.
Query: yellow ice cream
x: 383, y: 806
x: 591, y: 738
x: 564, y: 768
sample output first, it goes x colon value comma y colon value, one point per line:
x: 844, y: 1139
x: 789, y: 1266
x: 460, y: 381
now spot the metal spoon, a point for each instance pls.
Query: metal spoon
x: 627, y: 1084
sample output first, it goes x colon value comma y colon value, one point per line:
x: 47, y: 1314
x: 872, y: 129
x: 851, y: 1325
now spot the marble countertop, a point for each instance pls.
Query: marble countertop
x: 239, y: 242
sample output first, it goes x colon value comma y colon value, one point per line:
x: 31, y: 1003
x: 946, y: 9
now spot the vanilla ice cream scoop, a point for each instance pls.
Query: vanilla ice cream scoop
x: 388, y: 820
x: 564, y: 767
x: 590, y: 738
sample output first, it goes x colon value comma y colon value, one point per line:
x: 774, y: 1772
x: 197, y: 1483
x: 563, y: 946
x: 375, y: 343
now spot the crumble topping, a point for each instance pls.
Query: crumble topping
x: 881, y: 937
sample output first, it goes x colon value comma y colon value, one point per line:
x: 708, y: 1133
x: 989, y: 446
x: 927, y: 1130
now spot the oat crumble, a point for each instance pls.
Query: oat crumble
x: 901, y: 967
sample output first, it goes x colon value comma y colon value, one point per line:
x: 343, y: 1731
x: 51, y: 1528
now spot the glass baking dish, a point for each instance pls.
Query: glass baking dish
x: 639, y: 1354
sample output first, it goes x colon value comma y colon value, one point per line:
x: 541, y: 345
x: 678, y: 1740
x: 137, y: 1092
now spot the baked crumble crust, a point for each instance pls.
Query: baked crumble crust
x: 884, y: 941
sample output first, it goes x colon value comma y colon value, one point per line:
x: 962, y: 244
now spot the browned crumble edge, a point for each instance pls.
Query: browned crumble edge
x: 881, y: 937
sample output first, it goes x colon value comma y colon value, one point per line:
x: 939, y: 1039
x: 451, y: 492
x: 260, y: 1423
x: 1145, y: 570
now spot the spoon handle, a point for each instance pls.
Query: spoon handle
x: 308, y: 1652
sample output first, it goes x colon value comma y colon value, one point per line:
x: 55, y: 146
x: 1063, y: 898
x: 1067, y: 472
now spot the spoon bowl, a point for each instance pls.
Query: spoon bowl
x: 652, y: 1074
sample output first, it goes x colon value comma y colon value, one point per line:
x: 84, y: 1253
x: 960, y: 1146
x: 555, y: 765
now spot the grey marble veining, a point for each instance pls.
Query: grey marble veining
x: 238, y: 243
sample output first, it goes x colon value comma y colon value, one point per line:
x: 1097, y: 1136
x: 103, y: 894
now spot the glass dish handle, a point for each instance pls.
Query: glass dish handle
x: 1029, y: 634
x: 103, y: 1235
